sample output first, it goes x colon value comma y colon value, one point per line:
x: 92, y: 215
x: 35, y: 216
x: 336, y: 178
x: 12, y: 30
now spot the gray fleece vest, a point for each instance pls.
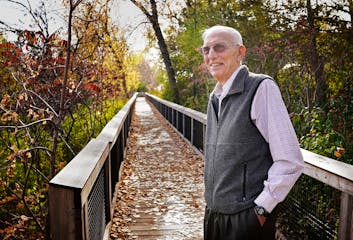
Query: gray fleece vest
x: 237, y: 157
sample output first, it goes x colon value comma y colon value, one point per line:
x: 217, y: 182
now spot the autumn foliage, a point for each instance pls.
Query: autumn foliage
x: 57, y: 92
x: 40, y: 131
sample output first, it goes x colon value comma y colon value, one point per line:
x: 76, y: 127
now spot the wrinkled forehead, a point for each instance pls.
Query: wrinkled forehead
x: 218, y: 37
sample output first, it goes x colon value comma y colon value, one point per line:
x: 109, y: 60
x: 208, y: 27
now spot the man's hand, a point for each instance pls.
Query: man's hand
x: 261, y: 214
x: 262, y: 219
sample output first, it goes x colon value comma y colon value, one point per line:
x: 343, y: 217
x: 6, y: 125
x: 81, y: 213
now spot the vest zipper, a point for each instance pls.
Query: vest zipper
x: 213, y: 160
x: 244, y: 182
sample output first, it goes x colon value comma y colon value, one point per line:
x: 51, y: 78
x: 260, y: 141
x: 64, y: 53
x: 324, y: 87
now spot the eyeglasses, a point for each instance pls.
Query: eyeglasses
x: 218, y: 48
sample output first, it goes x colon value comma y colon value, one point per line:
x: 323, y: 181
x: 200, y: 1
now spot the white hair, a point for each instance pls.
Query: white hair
x: 229, y: 30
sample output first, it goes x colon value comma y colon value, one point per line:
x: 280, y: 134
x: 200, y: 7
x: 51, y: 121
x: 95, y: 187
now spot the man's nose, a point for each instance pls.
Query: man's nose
x: 212, y: 53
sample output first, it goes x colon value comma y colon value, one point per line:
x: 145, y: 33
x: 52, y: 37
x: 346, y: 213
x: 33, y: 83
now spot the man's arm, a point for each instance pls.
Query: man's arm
x: 271, y: 117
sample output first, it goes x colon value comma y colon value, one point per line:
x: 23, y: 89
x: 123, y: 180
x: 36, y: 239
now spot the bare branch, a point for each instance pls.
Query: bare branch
x: 143, y: 9
x: 27, y: 125
x: 67, y: 144
x: 37, y: 95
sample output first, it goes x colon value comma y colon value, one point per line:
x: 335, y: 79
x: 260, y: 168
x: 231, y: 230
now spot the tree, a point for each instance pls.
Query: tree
x: 152, y: 17
x: 304, y: 45
x: 148, y: 75
x: 61, y: 115
x: 52, y: 90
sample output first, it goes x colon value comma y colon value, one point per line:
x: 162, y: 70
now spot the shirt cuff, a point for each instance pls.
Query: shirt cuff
x: 266, y: 201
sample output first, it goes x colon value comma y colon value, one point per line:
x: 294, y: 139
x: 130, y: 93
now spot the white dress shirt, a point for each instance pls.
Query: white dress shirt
x: 270, y: 116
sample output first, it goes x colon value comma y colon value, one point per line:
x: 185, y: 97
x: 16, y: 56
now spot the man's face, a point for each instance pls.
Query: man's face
x: 221, y: 55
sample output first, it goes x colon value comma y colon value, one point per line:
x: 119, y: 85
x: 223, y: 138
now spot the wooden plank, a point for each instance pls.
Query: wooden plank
x: 330, y: 179
x: 100, y: 153
x: 111, y: 131
x: 76, y: 173
x: 330, y: 165
x: 64, y: 214
x: 82, y: 171
x: 149, y: 207
x: 70, y: 188
x: 161, y: 227
x: 345, y: 231
x: 85, y: 225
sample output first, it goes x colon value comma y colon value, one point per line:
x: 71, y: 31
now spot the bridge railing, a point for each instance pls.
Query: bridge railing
x: 338, y: 175
x: 81, y: 194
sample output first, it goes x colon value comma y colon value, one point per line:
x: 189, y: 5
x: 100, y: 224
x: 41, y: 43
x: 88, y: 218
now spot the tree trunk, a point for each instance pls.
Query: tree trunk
x: 61, y: 115
x: 153, y: 19
x: 317, y: 62
x: 167, y: 62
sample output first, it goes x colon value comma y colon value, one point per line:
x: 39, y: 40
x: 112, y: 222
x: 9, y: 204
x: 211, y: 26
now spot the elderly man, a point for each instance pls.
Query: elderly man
x: 252, y: 155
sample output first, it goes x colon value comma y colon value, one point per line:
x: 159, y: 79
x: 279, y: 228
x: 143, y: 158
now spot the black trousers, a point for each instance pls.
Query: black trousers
x: 240, y: 226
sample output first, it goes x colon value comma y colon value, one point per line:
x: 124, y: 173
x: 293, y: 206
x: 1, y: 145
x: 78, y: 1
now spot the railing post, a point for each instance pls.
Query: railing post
x: 345, y: 231
x: 108, y: 187
x: 204, y: 137
x: 192, y: 131
x: 184, y: 124
x: 65, y: 213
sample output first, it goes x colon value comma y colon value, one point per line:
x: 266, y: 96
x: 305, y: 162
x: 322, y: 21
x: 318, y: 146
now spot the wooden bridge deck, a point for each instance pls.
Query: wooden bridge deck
x: 160, y: 194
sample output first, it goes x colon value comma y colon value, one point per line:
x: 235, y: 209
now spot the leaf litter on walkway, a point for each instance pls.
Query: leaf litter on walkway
x: 160, y: 192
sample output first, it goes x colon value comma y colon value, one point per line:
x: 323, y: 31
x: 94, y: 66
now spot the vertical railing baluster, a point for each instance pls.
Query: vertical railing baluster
x: 345, y: 231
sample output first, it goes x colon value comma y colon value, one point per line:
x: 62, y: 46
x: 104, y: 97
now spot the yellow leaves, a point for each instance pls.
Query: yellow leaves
x: 23, y: 97
x: 10, y: 170
x: 337, y: 154
x: 35, y: 115
x: 5, y: 100
x: 24, y: 218
x: 23, y: 154
x: 9, y: 116
x: 14, y: 148
x: 28, y: 154
x: 32, y: 114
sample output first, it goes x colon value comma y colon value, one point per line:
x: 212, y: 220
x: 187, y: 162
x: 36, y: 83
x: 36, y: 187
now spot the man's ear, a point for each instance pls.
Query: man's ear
x: 242, y: 51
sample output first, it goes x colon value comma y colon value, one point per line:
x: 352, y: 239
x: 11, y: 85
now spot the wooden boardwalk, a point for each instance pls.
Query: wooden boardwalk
x: 160, y: 194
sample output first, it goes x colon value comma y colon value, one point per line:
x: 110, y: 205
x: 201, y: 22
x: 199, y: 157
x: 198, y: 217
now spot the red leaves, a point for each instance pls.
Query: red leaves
x: 63, y: 43
x: 33, y: 37
x: 7, y: 47
x: 9, y: 54
x: 17, y: 230
x: 58, y: 61
x: 92, y: 87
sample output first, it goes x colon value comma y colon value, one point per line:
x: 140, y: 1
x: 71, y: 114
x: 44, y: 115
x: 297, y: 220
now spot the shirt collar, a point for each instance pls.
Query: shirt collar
x: 222, y: 91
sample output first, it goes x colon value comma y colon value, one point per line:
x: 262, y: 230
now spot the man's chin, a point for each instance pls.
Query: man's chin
x: 216, y: 75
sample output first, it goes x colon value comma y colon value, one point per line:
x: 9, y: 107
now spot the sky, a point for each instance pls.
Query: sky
x: 124, y: 12
x: 129, y: 17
